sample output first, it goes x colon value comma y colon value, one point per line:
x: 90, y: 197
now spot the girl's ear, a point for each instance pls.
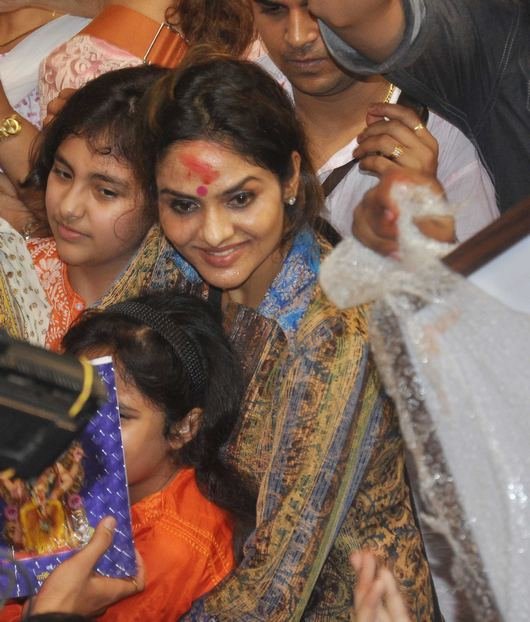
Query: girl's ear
x: 290, y: 188
x: 186, y: 429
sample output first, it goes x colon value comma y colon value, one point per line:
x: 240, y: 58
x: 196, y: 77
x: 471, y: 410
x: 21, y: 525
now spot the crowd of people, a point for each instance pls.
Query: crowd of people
x: 174, y: 174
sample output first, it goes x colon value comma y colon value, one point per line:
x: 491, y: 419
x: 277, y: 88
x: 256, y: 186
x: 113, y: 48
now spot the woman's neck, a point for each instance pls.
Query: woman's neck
x: 15, y: 26
x: 253, y: 291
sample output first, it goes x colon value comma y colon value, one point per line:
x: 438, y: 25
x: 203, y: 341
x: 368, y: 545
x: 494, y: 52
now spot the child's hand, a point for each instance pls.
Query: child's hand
x: 376, y: 597
x: 375, y: 219
x: 74, y: 587
x: 396, y: 138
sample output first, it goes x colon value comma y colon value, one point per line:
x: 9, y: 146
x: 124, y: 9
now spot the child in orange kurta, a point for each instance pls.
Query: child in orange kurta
x: 179, y: 393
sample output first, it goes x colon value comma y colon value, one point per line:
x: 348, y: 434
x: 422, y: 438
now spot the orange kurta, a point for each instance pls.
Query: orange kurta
x: 66, y: 305
x: 186, y: 544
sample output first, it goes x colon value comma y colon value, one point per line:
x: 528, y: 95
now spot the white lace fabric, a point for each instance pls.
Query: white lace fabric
x: 456, y: 362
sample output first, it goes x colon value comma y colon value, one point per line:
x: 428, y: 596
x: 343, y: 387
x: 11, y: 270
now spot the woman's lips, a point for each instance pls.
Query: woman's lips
x: 222, y: 257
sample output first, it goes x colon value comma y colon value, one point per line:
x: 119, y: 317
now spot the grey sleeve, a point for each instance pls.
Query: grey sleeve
x: 355, y: 62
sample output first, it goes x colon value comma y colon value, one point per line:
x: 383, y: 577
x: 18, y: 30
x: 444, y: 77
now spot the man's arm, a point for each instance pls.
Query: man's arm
x: 373, y: 28
x: 83, y: 8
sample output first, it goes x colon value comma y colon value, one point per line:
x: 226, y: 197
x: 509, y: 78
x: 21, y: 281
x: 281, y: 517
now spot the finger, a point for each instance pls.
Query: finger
x: 441, y: 228
x: 397, y: 132
x: 394, y: 602
x: 375, y: 220
x: 101, y: 539
x: 378, y: 164
x: 404, y: 114
x: 365, y: 576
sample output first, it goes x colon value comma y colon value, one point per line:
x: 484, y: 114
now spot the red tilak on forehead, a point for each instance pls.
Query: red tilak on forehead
x: 196, y: 166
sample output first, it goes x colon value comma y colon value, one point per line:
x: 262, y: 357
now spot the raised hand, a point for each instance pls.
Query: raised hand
x: 396, y: 138
x: 375, y: 219
x: 74, y: 587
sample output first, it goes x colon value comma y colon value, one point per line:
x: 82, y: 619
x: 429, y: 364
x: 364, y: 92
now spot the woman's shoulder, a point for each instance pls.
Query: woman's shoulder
x: 324, y: 315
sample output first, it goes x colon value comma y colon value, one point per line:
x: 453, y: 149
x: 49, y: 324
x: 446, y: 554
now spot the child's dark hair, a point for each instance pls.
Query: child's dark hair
x: 103, y: 112
x: 235, y: 103
x: 172, y: 348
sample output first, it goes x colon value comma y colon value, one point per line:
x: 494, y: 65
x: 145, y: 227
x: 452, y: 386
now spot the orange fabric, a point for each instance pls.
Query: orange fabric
x: 66, y: 304
x: 138, y: 34
x: 186, y: 544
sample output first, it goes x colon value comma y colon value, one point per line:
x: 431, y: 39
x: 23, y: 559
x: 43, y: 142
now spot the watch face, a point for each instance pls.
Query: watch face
x: 10, y: 126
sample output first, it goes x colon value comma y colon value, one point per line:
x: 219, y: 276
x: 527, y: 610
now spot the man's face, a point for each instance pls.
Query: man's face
x: 292, y: 38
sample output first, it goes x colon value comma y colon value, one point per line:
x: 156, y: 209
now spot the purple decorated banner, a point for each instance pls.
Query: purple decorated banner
x: 45, y: 520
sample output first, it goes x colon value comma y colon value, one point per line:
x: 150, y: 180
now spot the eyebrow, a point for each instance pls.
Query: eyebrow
x: 269, y: 3
x: 225, y: 193
x: 120, y: 183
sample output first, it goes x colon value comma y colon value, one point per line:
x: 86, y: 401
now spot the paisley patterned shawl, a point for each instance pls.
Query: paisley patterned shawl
x: 319, y: 443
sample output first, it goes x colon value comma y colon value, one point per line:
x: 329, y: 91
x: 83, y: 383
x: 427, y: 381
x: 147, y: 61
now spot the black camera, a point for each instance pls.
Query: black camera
x: 46, y: 399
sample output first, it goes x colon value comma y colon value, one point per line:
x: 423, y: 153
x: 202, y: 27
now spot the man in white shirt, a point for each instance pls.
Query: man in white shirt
x: 333, y: 106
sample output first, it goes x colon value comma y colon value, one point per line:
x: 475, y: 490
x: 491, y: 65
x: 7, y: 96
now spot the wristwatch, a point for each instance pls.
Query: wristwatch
x: 10, y: 126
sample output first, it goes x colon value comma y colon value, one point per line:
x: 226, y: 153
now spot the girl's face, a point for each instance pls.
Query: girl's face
x: 225, y: 216
x: 148, y: 452
x: 94, y: 208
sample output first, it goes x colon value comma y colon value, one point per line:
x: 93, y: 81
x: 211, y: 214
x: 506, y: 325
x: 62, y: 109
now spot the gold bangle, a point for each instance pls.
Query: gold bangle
x: 10, y: 126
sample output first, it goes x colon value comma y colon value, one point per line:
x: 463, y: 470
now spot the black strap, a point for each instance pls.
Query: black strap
x: 336, y: 176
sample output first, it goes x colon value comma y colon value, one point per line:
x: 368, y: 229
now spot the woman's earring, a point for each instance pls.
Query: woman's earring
x: 291, y: 201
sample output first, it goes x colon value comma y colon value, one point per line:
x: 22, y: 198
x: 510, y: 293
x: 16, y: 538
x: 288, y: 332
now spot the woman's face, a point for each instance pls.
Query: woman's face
x: 94, y: 207
x: 225, y: 216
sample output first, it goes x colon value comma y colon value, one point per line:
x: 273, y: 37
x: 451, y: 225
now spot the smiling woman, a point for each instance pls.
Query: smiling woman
x: 318, y: 441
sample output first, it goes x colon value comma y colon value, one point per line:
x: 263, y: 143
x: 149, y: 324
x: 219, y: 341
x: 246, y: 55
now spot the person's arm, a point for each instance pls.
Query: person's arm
x: 83, y: 8
x: 15, y: 149
x: 374, y: 28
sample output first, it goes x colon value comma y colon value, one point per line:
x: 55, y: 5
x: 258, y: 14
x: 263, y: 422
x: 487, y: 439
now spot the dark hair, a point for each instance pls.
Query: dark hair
x: 239, y: 105
x: 160, y: 371
x: 105, y: 108
x: 225, y: 25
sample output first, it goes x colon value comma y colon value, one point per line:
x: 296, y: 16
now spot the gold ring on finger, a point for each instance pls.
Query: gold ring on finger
x: 397, y: 152
x: 418, y: 127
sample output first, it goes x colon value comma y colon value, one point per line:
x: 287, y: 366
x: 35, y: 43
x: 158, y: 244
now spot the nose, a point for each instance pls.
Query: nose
x: 217, y: 226
x: 301, y: 29
x: 71, y: 206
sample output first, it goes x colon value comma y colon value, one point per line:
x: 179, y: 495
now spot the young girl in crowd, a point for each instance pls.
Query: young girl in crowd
x: 178, y: 403
x: 318, y: 441
x: 103, y: 244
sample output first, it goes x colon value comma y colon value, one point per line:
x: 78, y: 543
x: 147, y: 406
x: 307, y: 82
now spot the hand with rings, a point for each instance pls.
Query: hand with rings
x: 396, y: 137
